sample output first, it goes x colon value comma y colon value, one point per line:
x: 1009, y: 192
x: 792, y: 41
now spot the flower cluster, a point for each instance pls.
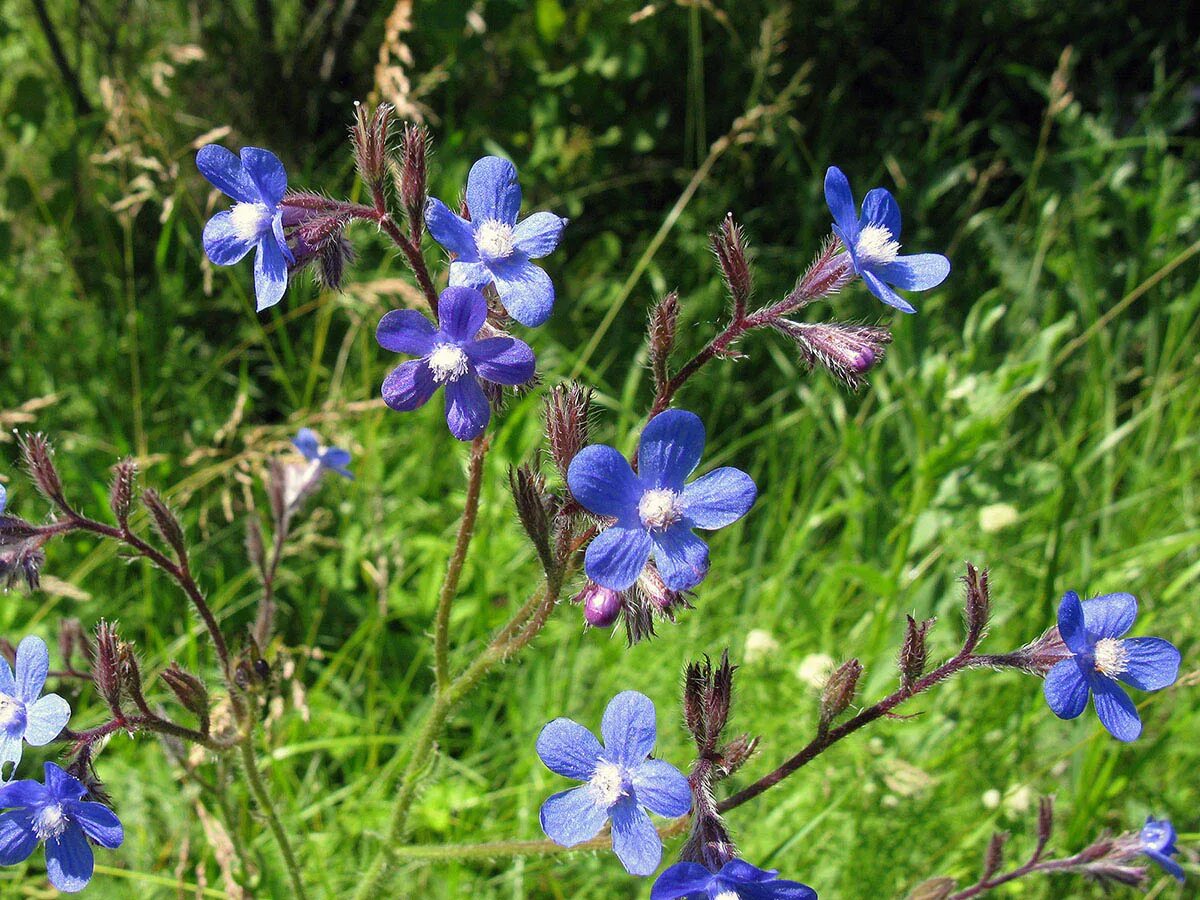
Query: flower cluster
x: 55, y: 812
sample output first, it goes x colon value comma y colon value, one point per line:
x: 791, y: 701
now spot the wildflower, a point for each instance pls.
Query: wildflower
x: 3, y: 498
x: 56, y: 813
x: 601, y: 606
x: 654, y: 510
x: 257, y: 182
x: 24, y: 714
x: 451, y: 355
x: 872, y: 241
x: 1092, y: 631
x: 335, y: 459
x: 493, y: 248
x: 1158, y: 842
x: 619, y: 780
x: 737, y: 880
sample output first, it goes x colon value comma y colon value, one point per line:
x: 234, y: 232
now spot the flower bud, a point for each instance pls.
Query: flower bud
x: 369, y: 136
x: 978, y: 605
x: 664, y: 321
x: 165, y: 522
x: 413, y: 153
x: 839, y: 692
x: 848, y: 352
x: 913, y: 652
x: 120, y: 495
x: 568, y: 407
x: 994, y: 857
x: 729, y: 245
x: 106, y: 672
x: 529, y: 492
x: 601, y: 605
x: 735, y: 753
x: 39, y: 460
x: 190, y: 690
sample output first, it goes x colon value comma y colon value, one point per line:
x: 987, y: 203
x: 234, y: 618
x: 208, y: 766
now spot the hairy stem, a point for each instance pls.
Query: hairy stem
x: 466, y: 528
x: 267, y: 808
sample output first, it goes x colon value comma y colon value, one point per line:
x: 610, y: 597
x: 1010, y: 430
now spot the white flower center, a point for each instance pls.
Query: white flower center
x: 727, y: 895
x: 250, y: 220
x: 1111, y: 657
x: 10, y: 710
x: 876, y: 246
x: 50, y: 822
x: 448, y: 362
x: 607, y: 783
x: 494, y: 240
x: 660, y: 508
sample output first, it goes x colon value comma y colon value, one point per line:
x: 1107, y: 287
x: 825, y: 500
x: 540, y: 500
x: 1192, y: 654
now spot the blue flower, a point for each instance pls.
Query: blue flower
x: 453, y: 355
x: 57, y: 814
x: 24, y: 714
x: 1092, y: 632
x: 257, y: 182
x: 873, y: 241
x: 1158, y: 843
x: 3, y: 498
x: 737, y: 880
x: 335, y: 459
x: 654, y: 510
x: 494, y: 248
x: 619, y: 780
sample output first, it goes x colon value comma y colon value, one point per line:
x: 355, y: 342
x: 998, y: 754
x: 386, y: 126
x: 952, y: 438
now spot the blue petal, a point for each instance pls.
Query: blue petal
x: 3, y: 497
x: 740, y: 871
x: 337, y: 459
x: 405, y: 331
x: 1116, y: 711
x: 23, y: 795
x: 450, y: 230
x: 45, y: 719
x: 841, y: 202
x: 719, y: 498
x: 33, y: 663
x: 681, y: 556
x: 572, y: 817
x: 461, y: 313
x: 17, y: 838
x: 1070, y: 624
x: 222, y: 244
x: 504, y: 360
x: 628, y: 729
x: 1170, y: 866
x: 99, y: 822
x: 281, y: 238
x: 307, y: 442
x: 7, y: 684
x: 226, y: 173
x: 525, y: 290
x: 880, y: 208
x: 775, y: 890
x: 12, y: 748
x: 670, y: 449
x: 634, y: 838
x: 662, y: 788
x: 1066, y: 689
x: 467, y: 409
x: 1110, y: 615
x: 682, y: 881
x: 60, y: 785
x: 602, y: 481
x: 885, y: 293
x: 69, y: 860
x: 409, y: 386
x: 1153, y: 663
x: 567, y: 748
x: 918, y: 272
x: 539, y: 235
x: 615, y: 557
x: 472, y: 274
x: 493, y: 192
x: 267, y: 173
x: 270, y: 273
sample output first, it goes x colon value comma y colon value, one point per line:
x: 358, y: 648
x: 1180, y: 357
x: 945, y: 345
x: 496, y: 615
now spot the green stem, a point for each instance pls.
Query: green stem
x: 466, y: 528
x: 263, y: 799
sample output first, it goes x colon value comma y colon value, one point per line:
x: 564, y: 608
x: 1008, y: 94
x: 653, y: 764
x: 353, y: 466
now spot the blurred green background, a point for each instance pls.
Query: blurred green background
x: 1038, y: 416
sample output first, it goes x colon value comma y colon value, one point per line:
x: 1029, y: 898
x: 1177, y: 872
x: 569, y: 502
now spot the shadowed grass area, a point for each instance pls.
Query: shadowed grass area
x: 1038, y: 416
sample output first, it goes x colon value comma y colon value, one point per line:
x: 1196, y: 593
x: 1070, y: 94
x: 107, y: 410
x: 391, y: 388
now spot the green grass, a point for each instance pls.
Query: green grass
x: 1054, y: 373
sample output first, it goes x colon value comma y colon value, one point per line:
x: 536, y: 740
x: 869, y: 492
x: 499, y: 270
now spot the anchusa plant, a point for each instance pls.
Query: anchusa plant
x: 618, y: 532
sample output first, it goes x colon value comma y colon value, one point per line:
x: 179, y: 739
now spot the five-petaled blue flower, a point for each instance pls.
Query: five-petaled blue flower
x: 494, y: 248
x: 1158, y: 843
x: 619, y: 780
x: 873, y: 241
x: 655, y: 510
x: 1092, y: 631
x: 335, y: 459
x: 257, y: 182
x: 737, y: 880
x: 57, y: 814
x: 453, y: 355
x: 24, y: 714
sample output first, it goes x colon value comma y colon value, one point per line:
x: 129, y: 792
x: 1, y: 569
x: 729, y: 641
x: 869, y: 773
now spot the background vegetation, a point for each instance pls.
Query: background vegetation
x: 1039, y: 415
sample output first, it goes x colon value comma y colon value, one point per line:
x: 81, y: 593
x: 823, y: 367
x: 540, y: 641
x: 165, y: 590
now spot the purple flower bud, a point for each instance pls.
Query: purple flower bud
x: 601, y: 605
x: 848, y: 352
